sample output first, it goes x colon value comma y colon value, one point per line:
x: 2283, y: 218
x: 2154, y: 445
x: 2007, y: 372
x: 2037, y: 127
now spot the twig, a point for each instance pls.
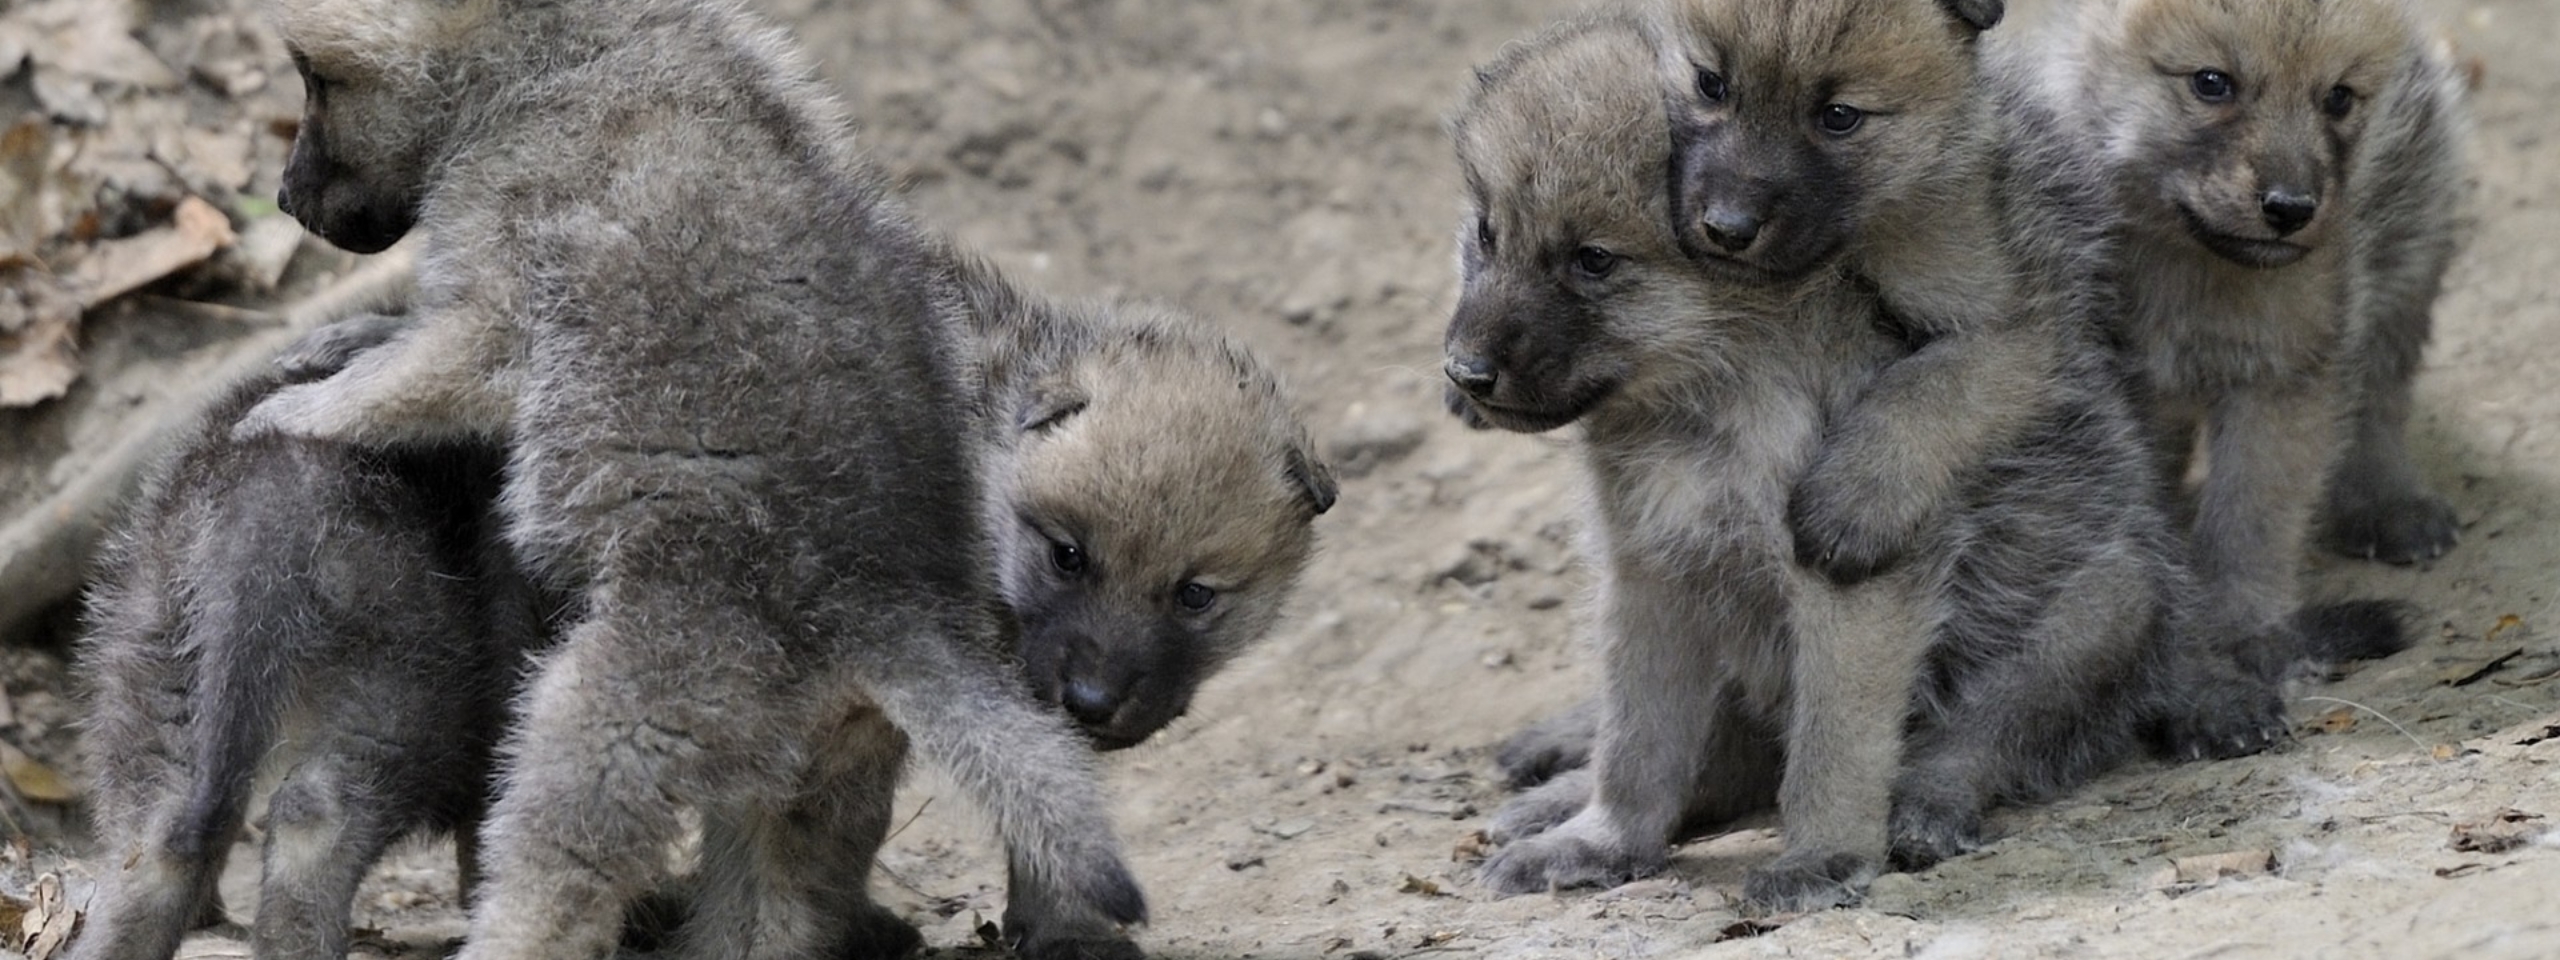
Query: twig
x: 2379, y: 715
x: 911, y: 821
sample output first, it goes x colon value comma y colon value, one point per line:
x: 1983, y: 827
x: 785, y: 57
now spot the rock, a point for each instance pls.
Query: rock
x: 1285, y: 829
x: 1474, y: 564
x: 2188, y: 873
x: 1369, y: 439
x: 1895, y: 893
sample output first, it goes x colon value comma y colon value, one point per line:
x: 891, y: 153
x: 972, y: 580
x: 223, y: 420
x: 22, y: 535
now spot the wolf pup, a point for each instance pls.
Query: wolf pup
x: 2289, y: 179
x: 1998, y: 663
x: 1133, y: 568
x: 1119, y: 535
x: 739, y: 424
x: 347, y: 619
x: 1135, y: 564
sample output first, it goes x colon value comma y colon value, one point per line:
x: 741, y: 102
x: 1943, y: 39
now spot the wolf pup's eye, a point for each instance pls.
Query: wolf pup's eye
x: 1196, y: 597
x: 2213, y: 86
x: 1594, y: 262
x: 2340, y: 102
x: 1840, y: 119
x: 1484, y: 235
x: 1067, y: 557
x: 1711, y: 87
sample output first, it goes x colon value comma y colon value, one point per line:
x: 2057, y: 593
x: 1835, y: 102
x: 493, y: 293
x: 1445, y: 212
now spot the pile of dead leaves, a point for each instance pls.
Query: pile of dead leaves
x: 37, y: 925
x: 138, y: 142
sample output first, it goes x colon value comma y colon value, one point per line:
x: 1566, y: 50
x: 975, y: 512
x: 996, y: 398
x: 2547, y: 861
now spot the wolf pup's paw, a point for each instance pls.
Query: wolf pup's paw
x: 1074, y: 909
x: 2398, y: 527
x: 1540, y: 809
x: 328, y: 349
x: 1549, y: 748
x: 1801, y: 882
x: 1926, y: 833
x: 1104, y: 947
x: 1569, y: 856
x: 301, y: 410
x: 1844, y: 530
x: 877, y: 931
x: 2213, y: 708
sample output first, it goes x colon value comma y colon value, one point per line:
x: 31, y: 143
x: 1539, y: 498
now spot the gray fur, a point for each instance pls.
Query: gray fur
x: 343, y: 619
x: 1924, y: 234
x: 2001, y: 661
x: 2290, y: 346
x: 329, y: 348
x: 727, y: 367
x: 1551, y: 747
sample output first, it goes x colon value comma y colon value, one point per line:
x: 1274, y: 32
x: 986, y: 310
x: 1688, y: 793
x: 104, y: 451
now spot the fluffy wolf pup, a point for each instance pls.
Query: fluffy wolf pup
x: 1136, y: 563
x: 2288, y: 182
x: 1140, y: 566
x: 1133, y: 567
x: 2001, y: 661
x: 346, y: 620
x: 738, y: 412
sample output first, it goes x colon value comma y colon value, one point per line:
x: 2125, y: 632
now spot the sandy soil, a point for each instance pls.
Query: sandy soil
x: 1278, y: 166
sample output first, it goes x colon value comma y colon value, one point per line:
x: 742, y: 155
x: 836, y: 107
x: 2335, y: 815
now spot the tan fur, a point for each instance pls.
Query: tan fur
x: 1168, y: 460
x: 375, y: 39
x: 1219, y: 512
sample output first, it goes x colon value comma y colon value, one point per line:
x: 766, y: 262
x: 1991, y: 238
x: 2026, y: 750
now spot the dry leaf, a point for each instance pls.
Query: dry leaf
x: 213, y: 158
x: 13, y: 918
x: 81, y: 42
x: 39, y: 361
x: 26, y: 169
x: 1472, y: 848
x: 2506, y: 830
x: 116, y: 267
x: 267, y: 246
x: 34, y: 780
x: 2339, y: 720
x: 2504, y: 624
x: 50, y: 922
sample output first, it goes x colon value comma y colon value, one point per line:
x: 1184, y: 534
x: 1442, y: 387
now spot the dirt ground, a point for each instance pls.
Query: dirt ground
x: 1279, y: 167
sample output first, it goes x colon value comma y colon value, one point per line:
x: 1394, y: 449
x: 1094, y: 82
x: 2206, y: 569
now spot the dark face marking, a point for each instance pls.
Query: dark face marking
x: 348, y: 200
x: 1119, y: 672
x: 1759, y: 205
x: 1515, y: 347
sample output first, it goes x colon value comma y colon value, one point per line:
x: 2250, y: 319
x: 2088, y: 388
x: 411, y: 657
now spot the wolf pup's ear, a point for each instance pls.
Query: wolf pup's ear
x: 1051, y: 402
x: 1313, y: 478
x: 1979, y: 14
